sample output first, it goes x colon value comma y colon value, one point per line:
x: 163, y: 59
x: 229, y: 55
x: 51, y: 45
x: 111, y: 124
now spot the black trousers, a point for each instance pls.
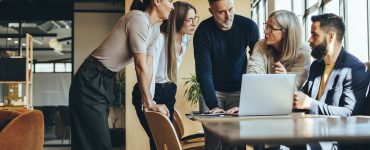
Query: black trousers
x: 164, y: 94
x: 90, y: 95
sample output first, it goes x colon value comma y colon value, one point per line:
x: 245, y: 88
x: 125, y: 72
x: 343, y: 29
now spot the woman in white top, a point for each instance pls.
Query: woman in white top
x: 132, y: 39
x: 282, y: 51
x: 172, y: 43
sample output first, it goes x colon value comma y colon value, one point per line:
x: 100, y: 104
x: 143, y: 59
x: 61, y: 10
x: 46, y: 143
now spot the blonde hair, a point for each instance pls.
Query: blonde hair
x: 292, y: 35
x: 170, y: 27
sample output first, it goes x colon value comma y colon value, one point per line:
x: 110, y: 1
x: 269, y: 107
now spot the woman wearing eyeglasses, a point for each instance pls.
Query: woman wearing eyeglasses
x: 282, y: 51
x: 172, y: 43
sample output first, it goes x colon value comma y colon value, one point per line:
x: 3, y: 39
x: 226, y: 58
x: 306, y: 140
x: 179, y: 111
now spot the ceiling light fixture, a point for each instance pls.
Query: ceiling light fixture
x: 53, y: 43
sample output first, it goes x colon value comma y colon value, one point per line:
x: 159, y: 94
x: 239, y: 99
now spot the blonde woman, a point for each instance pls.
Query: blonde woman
x: 282, y: 51
x: 132, y: 39
x: 172, y: 43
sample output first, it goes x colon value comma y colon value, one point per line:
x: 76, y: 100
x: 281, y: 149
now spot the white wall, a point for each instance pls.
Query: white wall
x: 90, y: 29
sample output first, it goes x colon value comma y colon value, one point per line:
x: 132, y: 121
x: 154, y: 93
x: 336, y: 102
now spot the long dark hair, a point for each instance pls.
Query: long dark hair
x: 170, y: 27
x: 140, y: 5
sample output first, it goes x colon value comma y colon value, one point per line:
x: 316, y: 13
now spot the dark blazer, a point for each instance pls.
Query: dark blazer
x: 346, y: 89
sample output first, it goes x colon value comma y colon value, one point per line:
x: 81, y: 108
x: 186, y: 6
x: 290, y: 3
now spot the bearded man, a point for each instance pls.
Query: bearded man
x: 220, y: 45
x: 338, y: 81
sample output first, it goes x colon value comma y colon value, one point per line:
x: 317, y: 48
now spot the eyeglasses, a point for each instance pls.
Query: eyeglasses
x: 269, y: 28
x: 194, y: 20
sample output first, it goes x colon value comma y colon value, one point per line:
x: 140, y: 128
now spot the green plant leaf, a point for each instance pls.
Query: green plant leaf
x: 192, y: 92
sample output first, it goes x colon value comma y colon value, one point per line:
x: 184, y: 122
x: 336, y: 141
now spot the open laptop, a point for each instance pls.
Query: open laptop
x: 266, y: 94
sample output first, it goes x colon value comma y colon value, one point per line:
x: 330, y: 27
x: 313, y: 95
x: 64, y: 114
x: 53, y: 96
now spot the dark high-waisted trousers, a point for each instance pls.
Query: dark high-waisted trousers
x: 90, y: 95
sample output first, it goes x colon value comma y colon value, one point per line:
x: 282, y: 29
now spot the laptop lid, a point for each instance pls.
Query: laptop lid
x: 267, y: 94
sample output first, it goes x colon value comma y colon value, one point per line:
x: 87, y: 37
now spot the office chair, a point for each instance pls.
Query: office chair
x: 163, y: 132
x: 197, y: 138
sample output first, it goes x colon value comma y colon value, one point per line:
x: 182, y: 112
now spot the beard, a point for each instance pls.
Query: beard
x: 225, y: 25
x: 319, y: 51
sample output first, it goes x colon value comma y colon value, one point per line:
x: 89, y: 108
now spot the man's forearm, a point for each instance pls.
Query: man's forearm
x: 208, y: 92
x: 144, y: 70
x: 144, y: 78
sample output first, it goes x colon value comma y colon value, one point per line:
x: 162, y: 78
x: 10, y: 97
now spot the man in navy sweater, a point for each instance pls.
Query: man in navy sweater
x: 220, y: 44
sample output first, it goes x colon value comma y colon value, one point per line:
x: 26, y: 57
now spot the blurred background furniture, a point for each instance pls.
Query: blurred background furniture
x: 21, y: 131
x: 17, y: 71
x: 65, y: 122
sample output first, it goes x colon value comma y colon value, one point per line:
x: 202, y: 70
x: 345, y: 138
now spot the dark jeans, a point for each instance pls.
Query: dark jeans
x: 163, y: 95
x: 90, y: 95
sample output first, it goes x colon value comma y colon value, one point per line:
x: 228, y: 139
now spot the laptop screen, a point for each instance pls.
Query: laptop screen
x: 266, y: 94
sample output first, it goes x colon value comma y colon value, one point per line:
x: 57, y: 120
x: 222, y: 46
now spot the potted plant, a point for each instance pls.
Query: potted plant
x: 117, y: 112
x: 193, y: 93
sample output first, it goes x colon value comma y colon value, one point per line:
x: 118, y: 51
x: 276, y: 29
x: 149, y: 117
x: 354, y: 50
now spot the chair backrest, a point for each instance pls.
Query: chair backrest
x: 178, y: 124
x: 24, y: 132
x: 163, y: 132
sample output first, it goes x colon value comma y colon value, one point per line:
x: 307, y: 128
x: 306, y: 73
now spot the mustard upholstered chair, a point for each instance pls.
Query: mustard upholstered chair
x: 21, y: 131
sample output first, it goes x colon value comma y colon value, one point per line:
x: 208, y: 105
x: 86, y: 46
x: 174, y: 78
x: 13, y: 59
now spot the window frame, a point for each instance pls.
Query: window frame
x: 319, y: 6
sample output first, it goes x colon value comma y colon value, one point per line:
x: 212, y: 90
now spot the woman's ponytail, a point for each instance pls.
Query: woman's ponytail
x: 140, y: 4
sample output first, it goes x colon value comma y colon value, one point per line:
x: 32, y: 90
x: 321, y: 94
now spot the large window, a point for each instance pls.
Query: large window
x: 44, y: 67
x: 310, y: 3
x: 355, y: 13
x: 259, y: 14
x: 357, y: 29
x: 283, y: 4
x: 332, y: 7
x: 298, y: 8
x: 63, y: 67
x: 52, y: 67
x: 308, y: 24
x: 262, y: 15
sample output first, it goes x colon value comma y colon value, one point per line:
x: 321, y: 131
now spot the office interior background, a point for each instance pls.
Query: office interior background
x: 66, y: 31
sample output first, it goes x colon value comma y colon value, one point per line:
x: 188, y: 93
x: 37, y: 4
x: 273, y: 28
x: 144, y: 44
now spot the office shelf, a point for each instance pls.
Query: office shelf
x: 24, y: 80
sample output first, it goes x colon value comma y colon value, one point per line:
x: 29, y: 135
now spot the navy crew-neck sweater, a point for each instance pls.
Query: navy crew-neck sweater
x: 220, y: 56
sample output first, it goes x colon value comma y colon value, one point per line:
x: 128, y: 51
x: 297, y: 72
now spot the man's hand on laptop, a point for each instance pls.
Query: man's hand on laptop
x: 233, y: 110
x: 216, y: 110
x: 301, y: 100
